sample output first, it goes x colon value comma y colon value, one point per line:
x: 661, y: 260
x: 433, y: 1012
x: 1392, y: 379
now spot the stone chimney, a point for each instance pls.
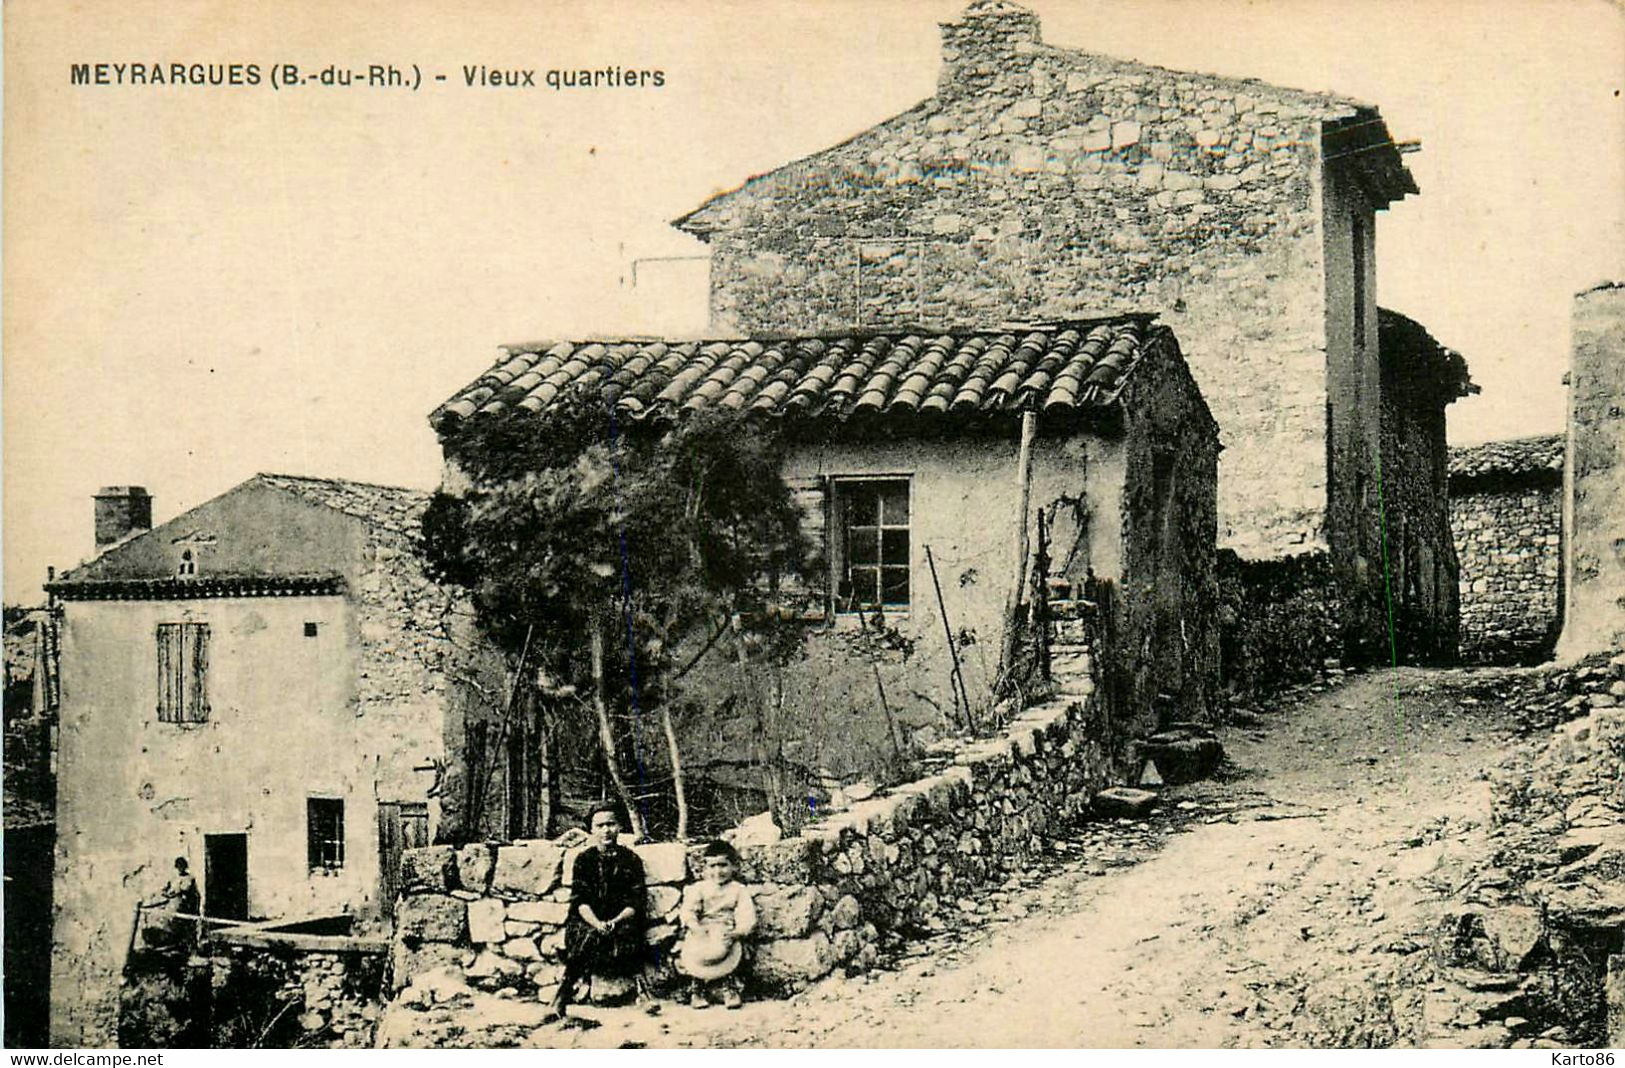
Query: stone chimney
x: 986, y: 40
x: 120, y: 512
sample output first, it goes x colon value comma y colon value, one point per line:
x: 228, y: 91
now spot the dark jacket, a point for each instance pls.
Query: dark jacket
x: 607, y: 880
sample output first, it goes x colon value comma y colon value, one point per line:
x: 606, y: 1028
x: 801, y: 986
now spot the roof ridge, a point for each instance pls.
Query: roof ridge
x: 860, y: 333
x: 333, y: 481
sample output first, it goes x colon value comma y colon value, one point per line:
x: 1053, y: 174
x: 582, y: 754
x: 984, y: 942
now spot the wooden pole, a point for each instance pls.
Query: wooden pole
x: 880, y: 688
x: 1024, y: 485
x: 1024, y: 491
x: 957, y: 680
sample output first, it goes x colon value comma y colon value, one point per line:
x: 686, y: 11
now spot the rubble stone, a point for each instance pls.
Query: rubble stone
x: 431, y: 918
x: 475, y: 862
x: 528, y: 869
x: 432, y: 868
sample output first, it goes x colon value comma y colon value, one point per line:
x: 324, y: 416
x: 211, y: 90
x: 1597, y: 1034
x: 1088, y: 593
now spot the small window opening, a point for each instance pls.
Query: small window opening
x: 325, y: 831
x: 311, y: 629
x: 188, y: 566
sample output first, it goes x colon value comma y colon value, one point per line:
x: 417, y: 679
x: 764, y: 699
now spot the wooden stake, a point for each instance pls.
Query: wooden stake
x: 957, y: 680
x: 1024, y: 485
x: 1024, y: 490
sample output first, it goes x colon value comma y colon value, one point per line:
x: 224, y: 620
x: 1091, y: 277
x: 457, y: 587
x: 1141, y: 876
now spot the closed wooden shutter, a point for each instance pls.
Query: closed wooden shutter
x: 811, y: 596
x: 169, y: 672
x: 195, y: 650
x: 183, y: 672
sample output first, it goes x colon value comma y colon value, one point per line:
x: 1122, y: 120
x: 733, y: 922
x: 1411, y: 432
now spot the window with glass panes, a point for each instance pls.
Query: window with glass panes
x: 324, y: 832
x: 874, y: 551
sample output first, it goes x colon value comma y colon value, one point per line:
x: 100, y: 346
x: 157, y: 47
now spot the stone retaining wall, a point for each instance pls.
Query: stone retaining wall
x: 895, y: 863
x: 239, y: 996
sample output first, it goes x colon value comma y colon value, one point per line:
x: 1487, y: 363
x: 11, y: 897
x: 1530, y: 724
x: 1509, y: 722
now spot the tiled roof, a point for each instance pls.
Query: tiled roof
x: 392, y: 515
x: 1536, y: 456
x: 1065, y: 367
x: 195, y: 587
x: 1415, y: 356
x: 390, y: 508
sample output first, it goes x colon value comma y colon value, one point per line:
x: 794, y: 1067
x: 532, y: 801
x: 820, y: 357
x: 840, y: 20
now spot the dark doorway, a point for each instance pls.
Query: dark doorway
x: 402, y: 825
x: 225, y: 876
x: 28, y: 863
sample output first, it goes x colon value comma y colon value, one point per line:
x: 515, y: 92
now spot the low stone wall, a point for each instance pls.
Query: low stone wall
x: 894, y: 863
x: 1278, y: 621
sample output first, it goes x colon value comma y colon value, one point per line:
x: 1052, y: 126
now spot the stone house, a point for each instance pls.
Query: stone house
x: 905, y: 452
x: 254, y: 685
x: 1594, y: 477
x: 1046, y: 182
x: 1506, y: 506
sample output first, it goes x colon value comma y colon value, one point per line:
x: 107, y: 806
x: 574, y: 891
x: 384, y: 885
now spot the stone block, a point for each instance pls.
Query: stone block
x: 528, y: 869
x: 1123, y: 801
x: 431, y: 918
x: 485, y: 920
x: 794, y: 860
x: 1515, y: 932
x: 794, y: 962
x: 408, y: 962
x: 663, y: 900
x: 429, y: 868
x: 847, y: 912
x: 786, y: 911
x: 520, y: 929
x: 521, y: 949
x: 663, y: 862
x: 475, y: 863
x: 551, y: 913
x: 1184, y: 756
x: 545, y: 974
x: 490, y: 965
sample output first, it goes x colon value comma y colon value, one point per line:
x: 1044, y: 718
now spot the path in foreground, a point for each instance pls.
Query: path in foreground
x: 1294, y: 908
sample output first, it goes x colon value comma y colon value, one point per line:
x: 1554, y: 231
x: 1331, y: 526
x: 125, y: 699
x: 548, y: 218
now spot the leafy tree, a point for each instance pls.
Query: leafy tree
x: 609, y: 560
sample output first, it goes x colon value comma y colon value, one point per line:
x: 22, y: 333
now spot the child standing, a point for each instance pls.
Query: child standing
x: 717, y: 913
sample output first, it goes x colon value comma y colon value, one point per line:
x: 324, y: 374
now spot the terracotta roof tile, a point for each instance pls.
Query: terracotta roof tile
x: 1056, y: 367
x: 1536, y: 458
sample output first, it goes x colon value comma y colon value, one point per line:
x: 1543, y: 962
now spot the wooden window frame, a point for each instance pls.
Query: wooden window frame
x: 326, y: 852
x: 843, y: 490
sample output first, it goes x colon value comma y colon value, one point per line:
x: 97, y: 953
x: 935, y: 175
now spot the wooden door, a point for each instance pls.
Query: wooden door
x: 225, y: 876
x: 402, y: 825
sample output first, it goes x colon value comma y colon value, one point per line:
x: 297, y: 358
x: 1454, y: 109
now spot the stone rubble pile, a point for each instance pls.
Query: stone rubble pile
x: 1542, y: 946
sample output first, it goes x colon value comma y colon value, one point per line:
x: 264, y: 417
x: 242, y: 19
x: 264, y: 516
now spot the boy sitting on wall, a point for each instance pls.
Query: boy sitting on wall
x: 717, y: 914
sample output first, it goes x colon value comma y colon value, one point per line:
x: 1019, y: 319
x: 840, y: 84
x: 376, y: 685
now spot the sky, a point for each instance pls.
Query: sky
x: 206, y: 282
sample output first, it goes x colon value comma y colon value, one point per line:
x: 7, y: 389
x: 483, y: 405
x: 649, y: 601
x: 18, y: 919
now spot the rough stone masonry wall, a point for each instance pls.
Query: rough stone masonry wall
x: 261, y: 996
x: 895, y: 862
x: 1508, y: 539
x: 1594, y: 580
x: 1044, y: 183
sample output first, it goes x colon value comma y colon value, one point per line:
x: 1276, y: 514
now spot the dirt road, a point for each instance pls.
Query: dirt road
x: 1290, y: 904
